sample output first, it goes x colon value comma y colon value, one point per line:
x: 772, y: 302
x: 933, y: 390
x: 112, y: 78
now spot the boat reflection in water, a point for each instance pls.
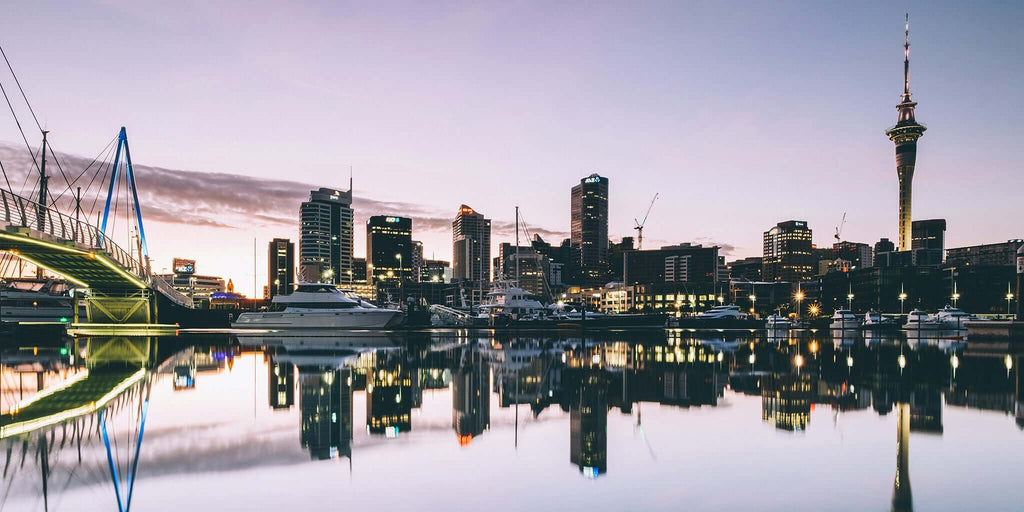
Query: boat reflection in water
x: 347, y: 398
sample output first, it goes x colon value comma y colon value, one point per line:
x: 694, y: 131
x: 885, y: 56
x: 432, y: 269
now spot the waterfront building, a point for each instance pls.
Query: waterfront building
x: 280, y: 267
x: 683, y: 263
x: 358, y: 271
x: 787, y: 252
x: 904, y: 135
x: 986, y: 254
x: 677, y: 297
x: 389, y: 248
x: 746, y: 269
x: 857, y: 254
x: 471, y: 251
x: 198, y: 287
x: 617, y: 258
x: 437, y: 271
x: 616, y: 298
x: 589, y: 228
x: 532, y: 268
x: 786, y: 401
x: 417, y: 260
x: 929, y: 234
x: 325, y: 236
x: 882, y: 246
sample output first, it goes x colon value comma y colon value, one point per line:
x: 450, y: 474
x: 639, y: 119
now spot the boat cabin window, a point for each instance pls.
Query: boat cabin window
x: 317, y: 288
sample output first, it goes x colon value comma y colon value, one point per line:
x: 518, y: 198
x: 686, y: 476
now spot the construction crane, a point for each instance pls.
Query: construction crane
x: 640, y: 225
x: 839, y: 229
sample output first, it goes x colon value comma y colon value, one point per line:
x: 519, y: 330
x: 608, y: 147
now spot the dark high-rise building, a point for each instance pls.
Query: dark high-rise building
x: 787, y: 252
x: 987, y: 254
x: 417, y: 260
x: 883, y: 246
x: 589, y: 228
x: 434, y: 271
x: 859, y: 255
x: 280, y: 267
x: 471, y: 398
x: 928, y: 234
x: 358, y: 270
x: 905, y: 134
x: 325, y: 238
x: 389, y: 248
x: 471, y: 246
x: 325, y: 400
x: 746, y: 269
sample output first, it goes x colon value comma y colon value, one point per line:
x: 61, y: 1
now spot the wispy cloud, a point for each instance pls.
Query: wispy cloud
x: 216, y: 199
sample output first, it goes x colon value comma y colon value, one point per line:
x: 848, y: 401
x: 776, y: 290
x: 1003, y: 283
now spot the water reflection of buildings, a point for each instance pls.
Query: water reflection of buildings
x: 281, y: 384
x: 389, y: 394
x: 325, y: 401
x: 471, y: 397
x: 786, y: 401
x: 588, y: 422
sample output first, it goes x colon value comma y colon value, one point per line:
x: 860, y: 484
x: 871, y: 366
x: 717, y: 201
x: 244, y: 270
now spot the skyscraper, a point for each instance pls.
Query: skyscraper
x: 905, y: 135
x: 471, y: 246
x: 787, y: 252
x: 325, y: 239
x: 589, y: 228
x: 280, y: 267
x: 389, y: 248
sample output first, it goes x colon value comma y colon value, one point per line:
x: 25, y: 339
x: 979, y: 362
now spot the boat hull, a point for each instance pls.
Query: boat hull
x: 363, y: 319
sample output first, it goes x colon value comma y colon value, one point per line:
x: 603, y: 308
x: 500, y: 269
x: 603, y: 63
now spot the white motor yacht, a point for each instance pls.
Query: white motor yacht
x: 509, y: 299
x: 844, y: 319
x: 953, y: 318
x: 730, y: 312
x: 776, y: 321
x: 35, y: 300
x: 918, y: 320
x: 320, y: 306
x: 874, y: 320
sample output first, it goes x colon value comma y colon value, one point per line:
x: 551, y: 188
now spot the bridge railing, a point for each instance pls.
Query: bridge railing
x: 165, y: 288
x: 19, y: 211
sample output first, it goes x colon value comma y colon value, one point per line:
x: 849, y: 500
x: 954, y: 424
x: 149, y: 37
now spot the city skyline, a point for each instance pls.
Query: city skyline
x: 867, y: 50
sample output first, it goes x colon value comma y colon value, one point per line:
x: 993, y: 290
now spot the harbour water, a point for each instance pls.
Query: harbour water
x: 464, y: 420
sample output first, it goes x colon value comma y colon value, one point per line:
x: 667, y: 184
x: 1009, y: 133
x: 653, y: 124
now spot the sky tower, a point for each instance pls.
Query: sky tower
x: 905, y: 135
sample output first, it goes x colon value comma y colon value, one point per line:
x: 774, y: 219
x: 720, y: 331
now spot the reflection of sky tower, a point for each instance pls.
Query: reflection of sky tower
x: 902, y: 498
x: 905, y: 135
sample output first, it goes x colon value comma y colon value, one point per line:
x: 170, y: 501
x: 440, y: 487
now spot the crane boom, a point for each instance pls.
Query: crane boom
x: 839, y: 228
x: 640, y: 224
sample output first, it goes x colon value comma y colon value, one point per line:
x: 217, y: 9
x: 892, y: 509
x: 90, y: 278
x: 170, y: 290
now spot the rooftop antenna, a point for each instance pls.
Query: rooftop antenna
x: 906, y: 59
x: 350, y: 179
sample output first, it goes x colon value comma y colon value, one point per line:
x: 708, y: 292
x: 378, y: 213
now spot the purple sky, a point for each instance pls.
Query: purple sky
x: 739, y: 115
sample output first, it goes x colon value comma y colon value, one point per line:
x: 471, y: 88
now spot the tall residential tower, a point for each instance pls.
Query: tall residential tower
x: 325, y: 239
x: 905, y: 135
x: 471, y: 246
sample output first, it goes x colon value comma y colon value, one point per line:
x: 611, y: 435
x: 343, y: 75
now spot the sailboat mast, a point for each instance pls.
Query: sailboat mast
x: 517, y: 246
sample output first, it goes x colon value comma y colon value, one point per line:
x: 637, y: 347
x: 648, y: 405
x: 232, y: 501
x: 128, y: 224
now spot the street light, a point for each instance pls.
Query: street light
x: 799, y: 297
x: 955, y: 297
x: 753, y: 303
x: 849, y: 301
x: 1009, y: 297
x: 401, y: 277
x: 721, y: 300
x: 903, y: 298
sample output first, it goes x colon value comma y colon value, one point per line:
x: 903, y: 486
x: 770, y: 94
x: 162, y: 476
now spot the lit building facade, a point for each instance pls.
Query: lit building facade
x: 589, y: 228
x: 787, y: 252
x: 198, y: 287
x: 325, y: 236
x: 389, y: 248
x: 683, y: 263
x: 471, y: 398
x: 986, y: 254
x: 325, y: 402
x: 280, y: 267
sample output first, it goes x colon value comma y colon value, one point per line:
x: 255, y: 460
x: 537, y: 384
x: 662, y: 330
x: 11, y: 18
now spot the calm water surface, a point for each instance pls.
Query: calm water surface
x: 471, y: 421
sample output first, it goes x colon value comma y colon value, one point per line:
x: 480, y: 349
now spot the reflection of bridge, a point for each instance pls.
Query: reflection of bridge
x: 121, y: 286
x: 96, y: 404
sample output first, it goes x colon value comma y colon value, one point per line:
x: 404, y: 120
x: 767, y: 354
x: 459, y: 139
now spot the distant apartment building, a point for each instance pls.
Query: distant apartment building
x: 857, y: 254
x: 746, y: 269
x: 471, y: 246
x: 1003, y: 253
x: 325, y: 236
x: 683, y: 263
x: 787, y: 252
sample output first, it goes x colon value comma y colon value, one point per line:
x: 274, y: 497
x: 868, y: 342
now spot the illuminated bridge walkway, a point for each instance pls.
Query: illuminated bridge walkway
x: 121, y: 288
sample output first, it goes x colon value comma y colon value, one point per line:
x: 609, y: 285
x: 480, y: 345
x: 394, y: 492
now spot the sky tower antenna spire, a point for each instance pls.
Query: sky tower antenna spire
x: 906, y: 58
